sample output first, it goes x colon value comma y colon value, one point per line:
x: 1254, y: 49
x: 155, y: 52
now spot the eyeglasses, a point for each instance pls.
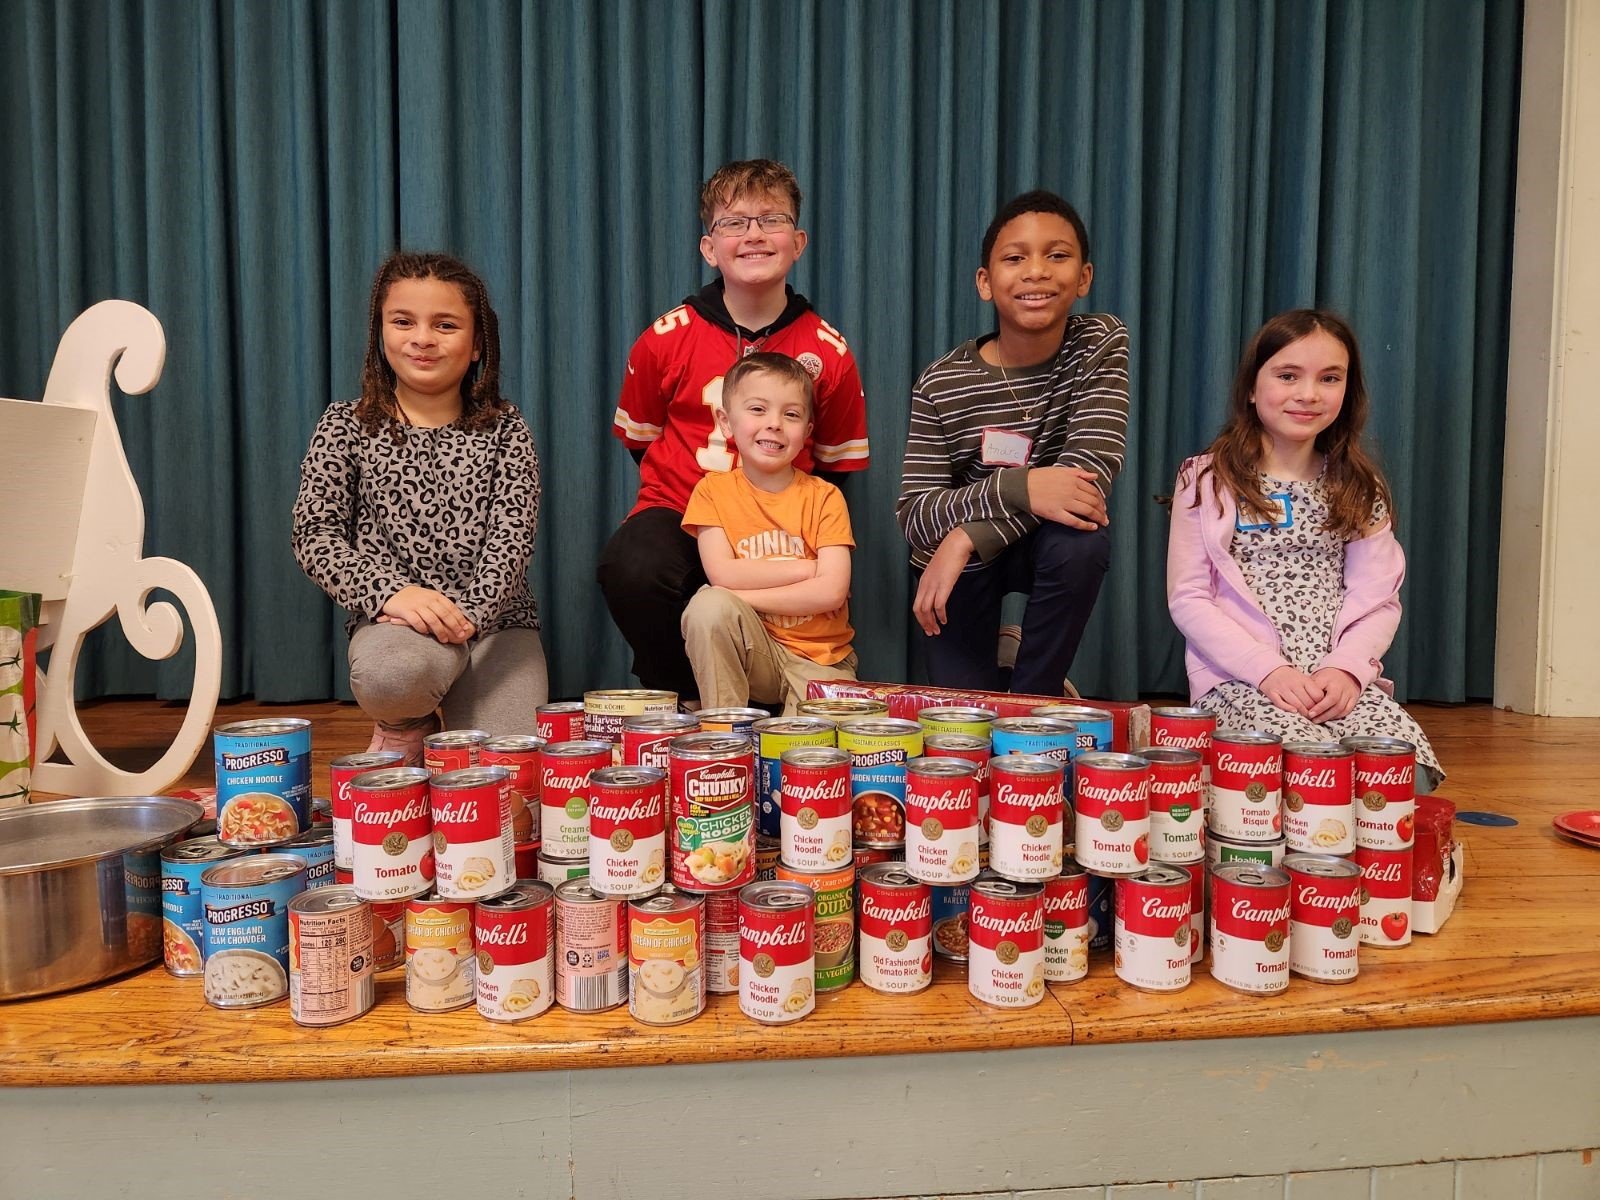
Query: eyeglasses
x: 772, y: 222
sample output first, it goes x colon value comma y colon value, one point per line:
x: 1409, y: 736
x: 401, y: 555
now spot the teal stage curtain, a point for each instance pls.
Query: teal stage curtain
x: 241, y: 168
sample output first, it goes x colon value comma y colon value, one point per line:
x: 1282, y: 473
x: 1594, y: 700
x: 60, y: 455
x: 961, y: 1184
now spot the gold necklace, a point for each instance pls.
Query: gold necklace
x: 1005, y: 378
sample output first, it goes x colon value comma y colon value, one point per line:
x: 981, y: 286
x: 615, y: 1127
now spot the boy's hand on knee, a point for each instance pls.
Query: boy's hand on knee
x: 1340, y: 691
x: 939, y: 578
x: 428, y: 612
x: 1293, y: 691
x: 1067, y: 496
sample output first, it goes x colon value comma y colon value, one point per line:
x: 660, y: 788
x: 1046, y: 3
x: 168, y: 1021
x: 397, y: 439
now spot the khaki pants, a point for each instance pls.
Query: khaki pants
x: 736, y: 660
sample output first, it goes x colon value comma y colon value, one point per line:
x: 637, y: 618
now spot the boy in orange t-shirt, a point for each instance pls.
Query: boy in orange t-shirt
x: 775, y: 544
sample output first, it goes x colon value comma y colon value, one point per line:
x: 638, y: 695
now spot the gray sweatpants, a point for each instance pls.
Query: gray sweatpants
x: 493, y: 683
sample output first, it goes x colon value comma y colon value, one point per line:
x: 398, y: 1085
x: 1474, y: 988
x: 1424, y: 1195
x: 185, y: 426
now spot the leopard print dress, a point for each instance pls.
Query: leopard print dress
x: 1297, y: 575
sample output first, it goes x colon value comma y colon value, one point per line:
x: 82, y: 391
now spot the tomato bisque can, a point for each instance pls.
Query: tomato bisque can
x: 1184, y: 729
x: 591, y: 948
x: 1177, y: 805
x: 605, y: 710
x: 1250, y: 927
x: 263, y: 781
x: 391, y: 826
x: 731, y: 720
x: 1111, y: 803
x: 453, y: 749
x: 1005, y: 947
x: 645, y: 738
x: 518, y: 753
x: 975, y: 722
x: 1324, y: 917
x: 776, y: 957
x: 246, y: 902
x: 340, y: 772
x: 1045, y: 737
x: 474, y: 854
x: 1152, y: 912
x: 942, y: 820
x: 879, y: 748
x: 183, y: 924
x: 1386, y: 878
x: 564, y: 770
x: 667, y: 982
x: 843, y: 708
x: 1095, y: 726
x: 834, y: 938
x: 330, y: 956
x: 896, y: 919
x: 1066, y: 925
x: 1385, y: 792
x: 513, y: 934
x: 441, y: 961
x: 1319, y: 797
x: 627, y: 831
x: 720, y: 952
x: 559, y: 722
x: 1027, y: 817
x: 775, y: 737
x: 316, y: 847
x: 815, y: 818
x: 970, y: 748
x: 713, y: 817
x: 1246, y: 785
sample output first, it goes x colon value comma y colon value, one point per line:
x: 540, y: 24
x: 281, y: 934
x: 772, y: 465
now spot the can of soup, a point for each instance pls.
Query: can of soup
x: 441, y: 961
x: 1005, y: 951
x: 1112, y: 803
x: 564, y: 771
x: 1027, y: 813
x: 518, y: 753
x: 720, y: 954
x: 591, y: 948
x: 246, y: 902
x: 776, y: 952
x: 713, y: 815
x: 949, y: 909
x: 896, y: 930
x: 843, y: 708
x: 1044, y: 737
x: 975, y: 722
x: 340, y: 772
x: 775, y: 737
x: 605, y: 709
x: 1324, y: 917
x: 627, y: 831
x: 556, y: 871
x: 1250, y: 927
x: 942, y: 820
x: 1246, y: 785
x: 183, y: 924
x: 1177, y: 805
x: 1152, y: 929
x: 263, y: 781
x: 1319, y: 797
x: 665, y: 958
x: 879, y: 748
x: 330, y: 956
x: 834, y: 916
x: 453, y: 749
x: 316, y: 847
x: 969, y: 748
x: 1385, y: 791
x: 559, y: 722
x: 1094, y: 725
x: 1066, y: 924
x: 645, y: 738
x: 731, y: 720
x: 516, y: 966
x: 815, y: 820
x: 475, y: 856
x: 392, y: 827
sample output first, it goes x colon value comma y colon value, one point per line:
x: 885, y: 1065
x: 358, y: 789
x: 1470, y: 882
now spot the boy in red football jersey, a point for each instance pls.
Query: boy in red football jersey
x: 650, y: 568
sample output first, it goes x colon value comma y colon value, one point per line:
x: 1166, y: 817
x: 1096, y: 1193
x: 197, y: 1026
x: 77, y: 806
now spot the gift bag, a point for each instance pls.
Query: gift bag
x: 19, y: 619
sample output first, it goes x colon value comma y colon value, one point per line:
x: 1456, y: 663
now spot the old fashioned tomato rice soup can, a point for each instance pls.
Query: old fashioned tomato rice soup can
x: 942, y: 820
x: 665, y: 951
x: 1005, y: 951
x: 246, y: 903
x: 814, y: 823
x: 591, y: 948
x: 1027, y: 817
x: 441, y: 960
x: 330, y: 956
x: 263, y: 781
x: 392, y: 828
x: 896, y: 922
x: 627, y: 831
x: 513, y: 935
x: 1246, y: 785
x: 1152, y: 929
x: 1324, y: 917
x: 1111, y: 802
x: 564, y: 770
x: 340, y: 772
x: 1250, y: 927
x: 1319, y: 798
x: 776, y: 963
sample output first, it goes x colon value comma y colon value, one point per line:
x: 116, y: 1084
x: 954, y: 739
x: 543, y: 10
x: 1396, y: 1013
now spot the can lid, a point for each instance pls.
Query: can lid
x: 514, y: 743
x: 368, y: 760
x: 815, y: 756
x: 711, y: 744
x: 1109, y: 760
x: 1250, y: 874
x: 1318, y: 749
x: 667, y: 902
x: 469, y: 777
x: 630, y: 694
x: 1247, y: 737
x: 1188, y: 714
x: 560, y: 708
x: 1044, y: 725
x: 1324, y: 866
x: 794, y: 725
x: 334, y: 898
x: 264, y: 727
x: 954, y: 741
x: 776, y: 895
x: 1169, y: 754
x: 1380, y: 745
x: 390, y: 778
x: 577, y: 748
x: 1022, y: 764
x: 456, y: 737
x: 879, y: 727
x: 1074, y: 712
x: 950, y: 767
x: 581, y: 891
x: 525, y: 893
x: 628, y: 776
x: 253, y: 869
x: 662, y: 722
x: 1165, y: 875
x: 890, y: 875
x: 322, y: 836
x: 958, y: 713
x: 990, y: 884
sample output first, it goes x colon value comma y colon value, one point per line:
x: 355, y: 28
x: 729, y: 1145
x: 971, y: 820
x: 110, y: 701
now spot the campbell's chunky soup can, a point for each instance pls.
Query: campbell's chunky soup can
x: 392, y: 831
x: 559, y: 722
x: 330, y: 956
x: 942, y: 820
x: 564, y: 771
x: 713, y: 817
x: 776, y: 966
x: 879, y: 748
x: 246, y: 902
x: 340, y: 772
x: 183, y: 923
x: 514, y: 936
x: 1250, y: 927
x: 646, y: 738
x: 1324, y: 917
x: 1386, y: 879
x: 316, y: 847
x: 1177, y: 806
x: 1111, y: 803
x: 896, y: 920
x: 605, y: 709
x: 591, y: 948
x: 453, y: 749
x: 474, y: 854
x: 1246, y: 785
x: 775, y: 737
x: 1319, y: 797
x: 1066, y: 924
x: 1152, y: 929
x: 1095, y: 726
x: 667, y: 982
x: 1027, y: 817
x: 441, y: 960
x: 1005, y: 950
x: 814, y: 821
x: 627, y: 831
x: 968, y: 747
x: 518, y: 753
x: 263, y: 781
x: 1385, y: 792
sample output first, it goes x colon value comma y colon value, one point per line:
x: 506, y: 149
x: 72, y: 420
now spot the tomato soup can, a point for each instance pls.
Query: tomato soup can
x: 1005, y: 951
x: 316, y: 847
x: 1111, y: 801
x: 948, y: 906
x: 1386, y: 878
x: 1250, y: 927
x: 556, y: 871
x: 774, y: 738
x: 1044, y: 737
x: 441, y: 960
x: 776, y: 957
x: 1324, y: 917
x: 1185, y: 729
x: 720, y: 956
x: 1152, y: 929
x: 392, y: 831
x: 645, y: 738
x: 879, y: 748
x: 1027, y: 817
x: 183, y: 923
x: 340, y: 772
x: 713, y: 816
x: 605, y: 710
x: 1095, y: 726
x: 1246, y: 785
x: 769, y: 852
x: 1385, y: 792
x: 1177, y: 805
x: 474, y: 854
x: 896, y: 930
x: 815, y: 818
x: 246, y: 902
x: 1319, y: 814
x: 453, y: 749
x: 942, y: 820
x: 1197, y: 911
x: 561, y: 721
x: 667, y: 982
x: 834, y: 917
x: 975, y: 722
x: 263, y: 781
x: 1066, y: 924
x: 973, y: 749
x: 330, y: 957
x: 564, y: 771
x: 518, y: 753
x: 843, y: 708
x: 591, y: 948
x: 513, y: 936
x: 731, y: 720
x: 627, y: 831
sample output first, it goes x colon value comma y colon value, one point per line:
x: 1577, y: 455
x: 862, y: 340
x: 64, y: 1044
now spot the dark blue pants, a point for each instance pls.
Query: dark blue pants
x: 1061, y: 570
x: 648, y: 572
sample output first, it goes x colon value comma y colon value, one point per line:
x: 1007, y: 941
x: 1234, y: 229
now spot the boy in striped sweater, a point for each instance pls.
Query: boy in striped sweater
x: 1015, y: 440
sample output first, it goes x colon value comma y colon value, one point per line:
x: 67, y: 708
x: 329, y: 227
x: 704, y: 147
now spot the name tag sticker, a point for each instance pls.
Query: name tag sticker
x: 1004, y: 448
x: 1282, y: 504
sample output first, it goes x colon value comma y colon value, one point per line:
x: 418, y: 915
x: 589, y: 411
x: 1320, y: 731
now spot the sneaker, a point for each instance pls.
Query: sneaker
x: 406, y: 739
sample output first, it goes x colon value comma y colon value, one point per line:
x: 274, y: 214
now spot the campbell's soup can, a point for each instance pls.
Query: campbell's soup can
x: 833, y: 941
x: 518, y: 753
x: 713, y: 818
x: 1066, y: 924
x: 879, y: 748
x: 330, y: 956
x: 1324, y: 917
x: 564, y: 771
x: 1177, y: 806
x: 183, y: 918
x: 388, y: 934
x: 942, y: 820
x: 559, y: 722
x: 667, y: 982
x: 555, y: 871
x: 814, y: 823
x: 1152, y: 911
x: 775, y: 737
x: 1185, y: 729
x: 604, y: 710
x: 896, y: 919
x: 474, y: 854
x: 316, y: 847
x: 453, y: 749
x: 591, y: 948
x: 627, y: 830
x: 514, y: 936
x: 1385, y: 792
x: 340, y: 772
x: 1096, y: 727
x: 1044, y: 737
x: 246, y: 902
x: 645, y: 738
x: 441, y: 961
x: 776, y: 957
x: 1246, y: 785
x: 1005, y: 947
x: 1111, y: 803
x: 949, y: 909
x: 731, y: 720
x: 975, y: 722
x: 971, y: 748
x: 720, y: 952
x: 1250, y: 927
x: 263, y: 781
x: 1319, y: 814
x: 1197, y: 911
x: 1226, y: 850
x: 391, y: 826
x: 528, y: 860
x: 1027, y: 817
x: 1386, y: 878
x: 843, y: 708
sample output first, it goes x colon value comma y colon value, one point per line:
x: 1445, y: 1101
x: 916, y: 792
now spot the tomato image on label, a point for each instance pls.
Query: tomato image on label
x: 1393, y: 925
x: 1141, y: 848
x: 1403, y: 828
x: 425, y: 866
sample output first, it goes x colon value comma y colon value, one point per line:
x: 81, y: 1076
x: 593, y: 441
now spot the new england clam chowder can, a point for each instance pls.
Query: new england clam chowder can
x: 340, y: 772
x: 513, y: 934
x: 330, y: 956
x: 391, y: 826
x: 776, y: 963
x: 263, y: 781
x: 1111, y: 803
x: 627, y: 831
x: 474, y: 855
x: 1005, y: 949
x: 896, y: 920
x: 246, y: 902
x: 814, y: 822
x: 1250, y: 927
x: 1177, y: 805
x: 1246, y: 785
x: 942, y: 820
x: 1324, y: 917
x: 1027, y: 816
x: 1319, y: 798
x: 564, y: 770
x: 1066, y: 925
x: 1152, y: 929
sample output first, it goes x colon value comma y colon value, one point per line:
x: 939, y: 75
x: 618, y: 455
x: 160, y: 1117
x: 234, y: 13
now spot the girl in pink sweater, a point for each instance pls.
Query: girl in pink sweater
x: 1283, y: 573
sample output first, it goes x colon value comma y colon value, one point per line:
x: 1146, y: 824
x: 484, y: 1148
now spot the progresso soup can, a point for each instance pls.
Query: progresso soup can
x: 974, y: 721
x: 183, y: 925
x: 1046, y: 737
x: 1094, y: 725
x: 316, y: 847
x: 246, y: 905
x: 263, y: 781
x: 879, y: 748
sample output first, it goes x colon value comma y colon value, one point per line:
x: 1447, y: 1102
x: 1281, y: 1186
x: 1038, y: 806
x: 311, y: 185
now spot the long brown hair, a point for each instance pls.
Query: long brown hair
x: 481, y: 402
x: 1353, y: 478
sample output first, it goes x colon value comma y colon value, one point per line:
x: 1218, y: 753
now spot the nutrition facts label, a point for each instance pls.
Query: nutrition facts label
x: 331, y: 966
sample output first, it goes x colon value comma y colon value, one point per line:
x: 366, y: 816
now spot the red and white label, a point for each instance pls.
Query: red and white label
x: 516, y: 970
x: 1152, y: 934
x: 560, y: 722
x: 392, y: 846
x: 721, y: 940
x: 475, y: 854
x: 1197, y: 913
x: 1385, y: 896
x: 1250, y: 935
x: 1066, y: 928
x: 776, y: 964
x: 1183, y: 731
x: 1319, y: 802
x: 1177, y: 812
x: 1027, y: 817
x: 1324, y: 926
x: 440, y: 759
x: 628, y: 837
x: 979, y: 756
x: 896, y: 937
x: 942, y: 827
x: 524, y: 768
x: 1385, y: 800
x: 1246, y: 790
x: 1111, y: 834
x: 814, y: 816
x: 564, y: 801
x: 1005, y: 949
x: 648, y: 747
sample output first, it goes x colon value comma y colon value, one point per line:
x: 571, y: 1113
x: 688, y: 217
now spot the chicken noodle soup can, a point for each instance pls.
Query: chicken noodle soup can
x: 815, y: 821
x: 1319, y: 814
x: 627, y: 831
x: 776, y: 960
x: 1152, y: 929
x: 1250, y: 927
x: 973, y: 749
x: 775, y: 737
x: 605, y: 710
x: 591, y: 948
x: 713, y: 820
x: 518, y: 753
x: 246, y: 902
x: 949, y: 909
x: 1095, y: 726
x: 1386, y: 879
x: 340, y: 772
x: 843, y: 708
x: 1111, y: 802
x: 879, y: 748
x: 667, y: 983
x: 330, y: 956
x: 731, y: 720
x: 474, y: 853
x: 1043, y: 737
x: 975, y: 722
x: 896, y: 930
x: 392, y: 828
x: 1324, y: 917
x: 1177, y: 805
x: 1066, y: 924
x: 316, y: 847
x: 942, y: 820
x: 564, y: 771
x: 1385, y: 792
x: 513, y: 935
x: 559, y: 722
x: 441, y: 960
x: 453, y: 749
x: 1246, y: 785
x: 721, y: 943
x: 646, y: 738
x: 263, y: 781
x: 1027, y: 817
x: 1005, y: 950
x: 834, y: 916
x: 183, y: 924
